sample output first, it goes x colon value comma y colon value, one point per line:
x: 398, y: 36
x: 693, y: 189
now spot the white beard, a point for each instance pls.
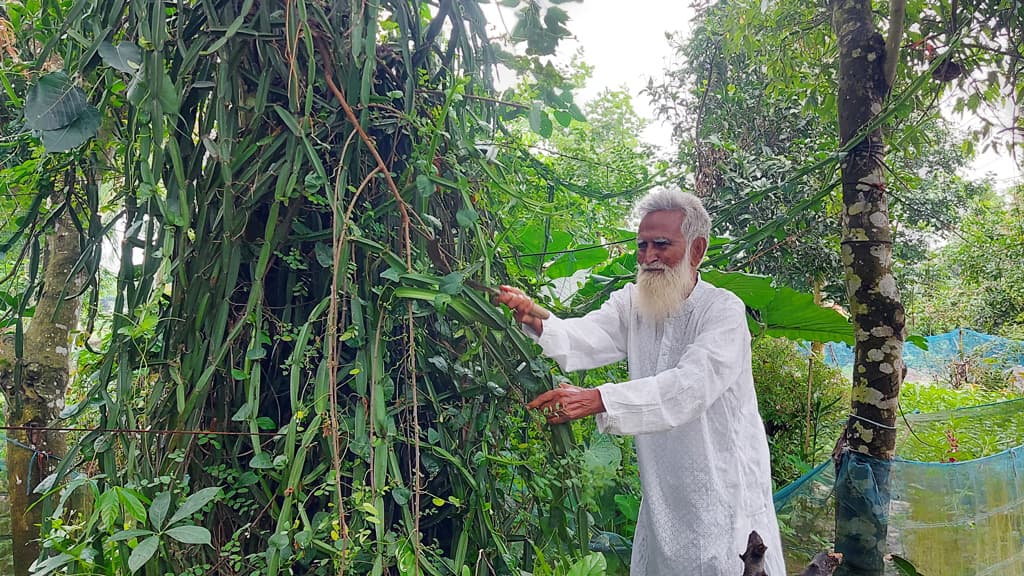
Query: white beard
x: 659, y: 294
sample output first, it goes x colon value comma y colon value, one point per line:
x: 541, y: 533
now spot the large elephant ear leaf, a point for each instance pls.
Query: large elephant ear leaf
x: 54, y: 102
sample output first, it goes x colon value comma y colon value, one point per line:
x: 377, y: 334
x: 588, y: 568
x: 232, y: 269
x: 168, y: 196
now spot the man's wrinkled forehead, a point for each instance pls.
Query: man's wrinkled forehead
x: 666, y: 224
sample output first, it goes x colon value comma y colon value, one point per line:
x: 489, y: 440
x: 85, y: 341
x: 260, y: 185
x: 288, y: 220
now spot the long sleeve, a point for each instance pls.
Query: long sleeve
x: 709, y: 366
x: 597, y: 339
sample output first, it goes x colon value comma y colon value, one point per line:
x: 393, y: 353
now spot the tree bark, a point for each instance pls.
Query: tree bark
x: 34, y: 386
x: 878, y: 316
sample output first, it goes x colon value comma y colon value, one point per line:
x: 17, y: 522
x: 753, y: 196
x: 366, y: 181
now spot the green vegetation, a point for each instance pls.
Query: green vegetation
x: 278, y: 214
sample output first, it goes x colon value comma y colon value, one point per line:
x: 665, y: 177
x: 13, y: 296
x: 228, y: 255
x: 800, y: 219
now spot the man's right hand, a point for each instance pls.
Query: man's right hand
x: 522, y: 307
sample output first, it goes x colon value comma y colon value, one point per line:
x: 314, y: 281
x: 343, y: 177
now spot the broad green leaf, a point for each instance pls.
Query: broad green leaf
x: 278, y: 541
x: 451, y: 284
x: 756, y: 291
x: 592, y: 564
x: 405, y: 559
x: 169, y: 97
x: 261, y: 461
x: 568, y: 264
x: 74, y: 134
x: 194, y: 503
x: 143, y: 552
x: 126, y: 56
x: 158, y: 510
x: 54, y: 102
x: 401, y: 495
x: 424, y: 186
x: 131, y: 503
x: 256, y: 353
x: 794, y: 315
x: 129, y: 534
x: 466, y: 217
x: 189, y: 534
x: 919, y: 341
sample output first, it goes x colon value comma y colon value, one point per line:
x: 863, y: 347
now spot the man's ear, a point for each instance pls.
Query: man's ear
x: 698, y: 248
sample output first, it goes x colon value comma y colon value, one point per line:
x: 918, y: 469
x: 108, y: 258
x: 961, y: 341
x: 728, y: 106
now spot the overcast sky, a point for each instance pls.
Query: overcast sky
x: 624, y: 40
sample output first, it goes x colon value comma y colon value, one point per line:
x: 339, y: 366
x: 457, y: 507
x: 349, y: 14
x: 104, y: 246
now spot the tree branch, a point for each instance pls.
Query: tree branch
x: 897, y: 16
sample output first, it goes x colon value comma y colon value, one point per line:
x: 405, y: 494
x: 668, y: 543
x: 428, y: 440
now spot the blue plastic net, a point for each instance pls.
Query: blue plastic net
x: 944, y: 349
x: 958, y: 518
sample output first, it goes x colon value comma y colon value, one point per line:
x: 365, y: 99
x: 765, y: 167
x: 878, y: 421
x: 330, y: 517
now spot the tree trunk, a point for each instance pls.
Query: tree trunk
x: 34, y: 386
x: 878, y: 318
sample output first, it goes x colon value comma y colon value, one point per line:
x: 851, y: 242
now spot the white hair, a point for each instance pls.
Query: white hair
x: 696, y: 222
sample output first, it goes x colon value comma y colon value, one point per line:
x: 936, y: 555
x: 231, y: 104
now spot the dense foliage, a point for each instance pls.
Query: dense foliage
x: 975, y: 278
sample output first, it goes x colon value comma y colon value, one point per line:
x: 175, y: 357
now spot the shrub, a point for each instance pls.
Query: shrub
x: 800, y: 436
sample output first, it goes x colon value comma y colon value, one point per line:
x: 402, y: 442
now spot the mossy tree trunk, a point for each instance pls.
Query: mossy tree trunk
x: 878, y: 317
x: 34, y: 386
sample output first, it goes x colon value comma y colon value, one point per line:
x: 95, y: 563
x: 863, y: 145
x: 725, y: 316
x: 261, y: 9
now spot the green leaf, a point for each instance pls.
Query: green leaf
x: 53, y: 102
x: 256, y: 353
x: 243, y: 413
x: 143, y: 552
x: 190, y: 534
x: 158, y: 510
x: 401, y: 495
x: 168, y: 96
x: 563, y: 118
x: 278, y: 541
x: 126, y: 56
x: 406, y: 559
x: 266, y: 423
x: 129, y: 534
x: 536, y: 110
x: 919, y: 341
x: 451, y: 284
x: 261, y: 461
x: 590, y: 565
x: 73, y: 135
x: 568, y: 264
x: 132, y: 505
x: 466, y: 217
x: 424, y: 186
x: 794, y: 315
x: 904, y: 567
x: 756, y: 291
x: 194, y: 503
x: 324, y: 255
x: 288, y: 119
x: 51, y: 564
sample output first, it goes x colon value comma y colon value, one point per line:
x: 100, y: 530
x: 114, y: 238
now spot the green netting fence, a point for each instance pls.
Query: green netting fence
x: 956, y: 503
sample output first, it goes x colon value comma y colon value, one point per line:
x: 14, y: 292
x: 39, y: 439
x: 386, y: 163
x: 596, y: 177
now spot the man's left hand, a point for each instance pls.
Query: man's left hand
x: 567, y: 403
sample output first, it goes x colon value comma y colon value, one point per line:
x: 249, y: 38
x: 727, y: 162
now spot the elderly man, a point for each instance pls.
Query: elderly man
x: 690, y: 401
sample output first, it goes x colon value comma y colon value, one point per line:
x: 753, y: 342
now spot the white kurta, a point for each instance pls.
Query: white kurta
x: 690, y: 402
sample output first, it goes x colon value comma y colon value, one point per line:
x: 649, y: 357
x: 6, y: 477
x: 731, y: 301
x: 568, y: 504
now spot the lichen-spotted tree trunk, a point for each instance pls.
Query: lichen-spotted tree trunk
x: 878, y: 317
x: 34, y: 387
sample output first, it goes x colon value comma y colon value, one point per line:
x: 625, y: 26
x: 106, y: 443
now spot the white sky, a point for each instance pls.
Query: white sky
x: 625, y: 43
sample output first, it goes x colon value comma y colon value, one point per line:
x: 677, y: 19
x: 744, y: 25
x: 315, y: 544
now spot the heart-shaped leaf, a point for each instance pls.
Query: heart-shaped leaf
x: 126, y: 56
x: 53, y: 102
x: 74, y: 134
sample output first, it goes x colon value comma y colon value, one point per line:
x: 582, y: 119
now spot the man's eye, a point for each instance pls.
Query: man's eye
x: 641, y: 245
x: 662, y: 243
